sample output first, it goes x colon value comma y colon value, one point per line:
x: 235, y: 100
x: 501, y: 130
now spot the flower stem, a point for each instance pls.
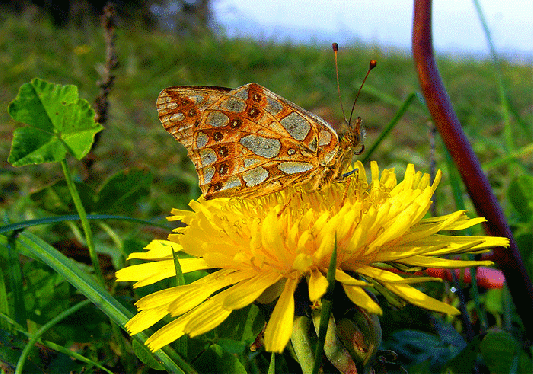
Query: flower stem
x: 84, y: 221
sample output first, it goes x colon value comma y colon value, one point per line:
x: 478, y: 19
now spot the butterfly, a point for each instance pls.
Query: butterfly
x: 249, y: 141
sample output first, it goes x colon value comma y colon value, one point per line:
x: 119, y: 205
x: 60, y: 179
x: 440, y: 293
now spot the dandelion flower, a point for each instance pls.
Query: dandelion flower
x: 283, y: 238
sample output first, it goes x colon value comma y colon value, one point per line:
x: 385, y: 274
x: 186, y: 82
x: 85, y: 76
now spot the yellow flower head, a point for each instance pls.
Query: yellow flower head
x: 281, y: 238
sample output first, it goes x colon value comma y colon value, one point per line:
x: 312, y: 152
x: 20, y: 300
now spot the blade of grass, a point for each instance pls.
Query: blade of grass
x: 97, y: 294
x: 47, y: 326
x: 179, y: 280
x: 15, y: 280
x: 74, y: 217
x: 504, y: 100
x: 509, y: 157
x: 390, y: 126
x: 4, y: 302
x: 392, y: 100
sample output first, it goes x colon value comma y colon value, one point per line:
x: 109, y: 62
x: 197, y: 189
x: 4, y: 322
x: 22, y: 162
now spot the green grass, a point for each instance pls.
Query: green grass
x: 305, y: 75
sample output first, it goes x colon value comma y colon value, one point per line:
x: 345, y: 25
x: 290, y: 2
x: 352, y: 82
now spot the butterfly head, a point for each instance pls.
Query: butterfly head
x: 350, y: 144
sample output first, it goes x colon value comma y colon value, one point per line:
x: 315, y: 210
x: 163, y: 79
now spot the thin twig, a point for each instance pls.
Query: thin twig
x: 111, y: 63
x: 477, y: 185
x: 101, y: 103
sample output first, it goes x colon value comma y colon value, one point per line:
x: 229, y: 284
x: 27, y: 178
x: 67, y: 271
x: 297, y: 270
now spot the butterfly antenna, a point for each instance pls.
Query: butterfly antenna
x: 335, y: 47
x: 373, y: 64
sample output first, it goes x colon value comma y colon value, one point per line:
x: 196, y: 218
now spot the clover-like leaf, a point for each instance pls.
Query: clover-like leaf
x: 58, y: 122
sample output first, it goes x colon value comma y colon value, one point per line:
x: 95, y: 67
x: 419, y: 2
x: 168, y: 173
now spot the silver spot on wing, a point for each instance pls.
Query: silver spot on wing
x: 265, y: 147
x: 208, y: 174
x: 255, y: 176
x: 217, y: 119
x: 296, y: 125
x: 208, y: 157
x: 201, y: 139
x: 234, y: 105
x: 292, y: 167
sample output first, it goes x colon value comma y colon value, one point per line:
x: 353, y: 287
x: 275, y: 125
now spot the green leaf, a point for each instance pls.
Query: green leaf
x: 216, y: 360
x: 146, y: 357
x: 499, y: 350
x: 122, y: 191
x: 422, y: 348
x: 59, y: 122
x: 465, y: 361
x: 232, y: 346
x: 493, y: 301
x: 47, y: 293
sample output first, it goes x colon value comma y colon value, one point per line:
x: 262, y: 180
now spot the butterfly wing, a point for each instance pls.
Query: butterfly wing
x: 180, y: 109
x: 247, y: 141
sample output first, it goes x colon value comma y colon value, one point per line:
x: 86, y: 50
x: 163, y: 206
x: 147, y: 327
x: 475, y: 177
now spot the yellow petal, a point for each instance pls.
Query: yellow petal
x: 271, y: 235
x: 360, y: 298
x: 166, y: 335
x: 247, y: 291
x: 147, y: 273
x: 145, y: 319
x: 419, y: 298
x: 157, y: 249
x: 279, y: 328
x: 206, y: 316
x: 197, y: 292
x: 380, y: 275
x: 317, y: 285
x: 346, y: 279
x: 435, y: 262
x: 193, y: 264
x: 160, y: 298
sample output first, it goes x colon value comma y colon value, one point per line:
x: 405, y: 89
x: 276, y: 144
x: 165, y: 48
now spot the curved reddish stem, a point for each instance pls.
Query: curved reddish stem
x: 477, y: 185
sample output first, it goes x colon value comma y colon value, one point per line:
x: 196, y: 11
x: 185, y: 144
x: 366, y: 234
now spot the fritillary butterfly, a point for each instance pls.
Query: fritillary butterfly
x: 249, y: 141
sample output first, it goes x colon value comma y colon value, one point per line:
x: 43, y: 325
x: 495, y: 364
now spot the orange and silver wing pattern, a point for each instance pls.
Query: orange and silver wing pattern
x: 248, y: 141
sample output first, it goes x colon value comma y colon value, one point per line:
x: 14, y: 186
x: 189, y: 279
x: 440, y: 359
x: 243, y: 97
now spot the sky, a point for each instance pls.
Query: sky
x: 456, y: 25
